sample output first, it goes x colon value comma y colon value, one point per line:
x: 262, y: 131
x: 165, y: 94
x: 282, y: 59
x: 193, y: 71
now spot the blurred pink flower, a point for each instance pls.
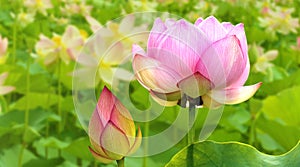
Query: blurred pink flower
x: 208, y: 60
x: 111, y: 130
x: 65, y: 47
x: 3, y: 46
x: 5, y: 89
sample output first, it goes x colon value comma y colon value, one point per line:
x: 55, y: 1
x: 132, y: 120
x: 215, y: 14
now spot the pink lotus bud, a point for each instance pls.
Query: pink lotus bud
x: 3, y: 45
x: 207, y: 59
x: 112, y: 131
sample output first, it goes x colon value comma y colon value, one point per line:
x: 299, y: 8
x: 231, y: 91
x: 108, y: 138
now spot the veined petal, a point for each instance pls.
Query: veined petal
x: 198, y: 21
x: 153, y: 75
x: 136, y: 49
x: 179, y: 47
x: 114, y: 142
x: 212, y: 28
x: 228, y: 26
x: 137, y: 142
x: 223, y: 62
x: 170, y: 22
x: 105, y: 105
x: 163, y: 102
x: 95, y: 128
x: 234, y: 95
x: 122, y: 119
x: 99, y: 157
x: 158, y: 28
x: 195, y: 85
x: 239, y: 32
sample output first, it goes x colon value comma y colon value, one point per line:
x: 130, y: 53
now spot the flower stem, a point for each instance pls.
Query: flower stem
x: 26, y: 119
x: 59, y: 94
x: 146, y: 144
x: 191, y: 133
x: 121, y: 162
x: 3, y: 103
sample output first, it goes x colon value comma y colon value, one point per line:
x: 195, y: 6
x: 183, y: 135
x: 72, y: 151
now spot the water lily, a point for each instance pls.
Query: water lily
x: 5, y: 89
x: 111, y: 129
x: 207, y: 60
x: 65, y: 47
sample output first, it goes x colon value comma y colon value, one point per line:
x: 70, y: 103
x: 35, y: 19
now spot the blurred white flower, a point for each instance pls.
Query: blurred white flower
x: 125, y: 31
x: 280, y: 20
x: 110, y: 57
x: 38, y: 6
x: 23, y: 18
x: 65, y: 47
x: 79, y: 7
x: 263, y: 61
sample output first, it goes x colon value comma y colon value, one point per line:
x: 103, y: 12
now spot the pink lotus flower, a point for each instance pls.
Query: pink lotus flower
x: 3, y: 46
x: 208, y: 60
x: 112, y: 130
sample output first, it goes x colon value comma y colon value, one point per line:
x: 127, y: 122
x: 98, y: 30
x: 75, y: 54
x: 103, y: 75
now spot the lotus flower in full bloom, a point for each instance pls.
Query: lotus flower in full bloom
x: 206, y: 60
x: 112, y: 131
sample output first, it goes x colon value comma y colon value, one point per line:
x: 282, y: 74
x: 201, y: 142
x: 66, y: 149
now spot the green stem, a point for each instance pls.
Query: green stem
x: 121, y: 162
x: 191, y: 133
x: 95, y: 163
x: 26, y: 119
x: 146, y: 144
x: 252, y: 135
x: 59, y: 98
x: 4, y: 108
x: 14, y: 48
